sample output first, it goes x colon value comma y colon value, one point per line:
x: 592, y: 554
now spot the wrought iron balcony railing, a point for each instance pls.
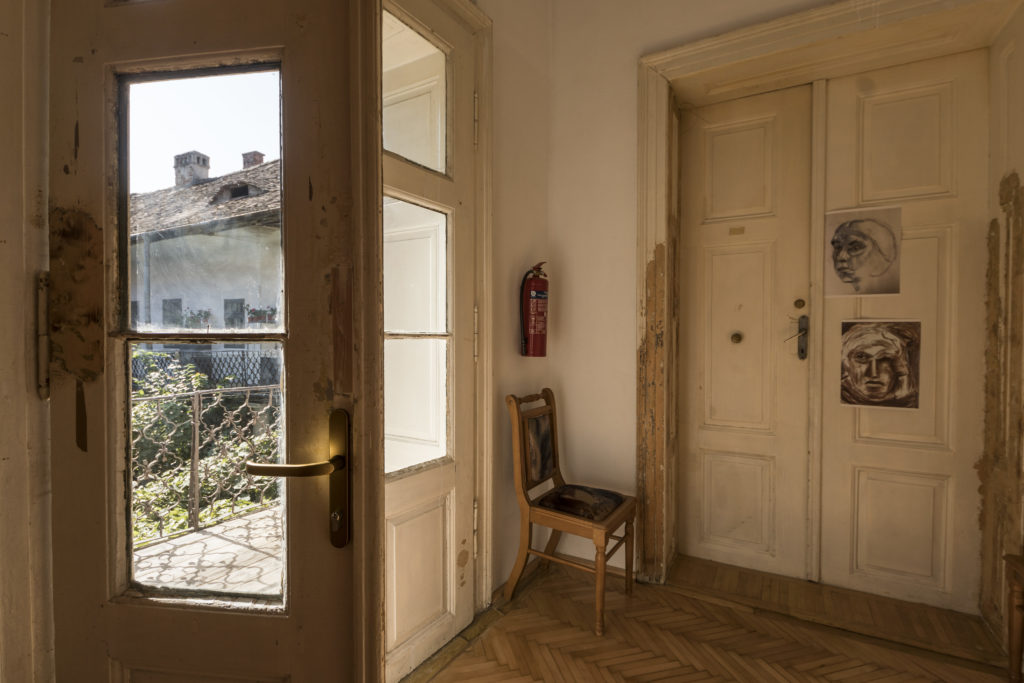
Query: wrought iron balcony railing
x: 188, y: 453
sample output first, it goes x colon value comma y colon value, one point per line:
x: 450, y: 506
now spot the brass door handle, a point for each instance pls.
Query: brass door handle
x: 337, y: 467
x: 313, y: 469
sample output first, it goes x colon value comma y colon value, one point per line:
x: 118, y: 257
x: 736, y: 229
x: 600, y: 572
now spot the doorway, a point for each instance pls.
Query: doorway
x: 900, y: 407
x: 677, y: 81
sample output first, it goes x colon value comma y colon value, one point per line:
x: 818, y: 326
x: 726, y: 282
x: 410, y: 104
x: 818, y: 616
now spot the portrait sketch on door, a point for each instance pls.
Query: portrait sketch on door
x: 881, y: 363
x: 862, y: 252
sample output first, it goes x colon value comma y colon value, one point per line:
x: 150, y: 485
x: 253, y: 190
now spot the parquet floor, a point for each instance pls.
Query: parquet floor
x: 663, y: 634
x: 930, y: 628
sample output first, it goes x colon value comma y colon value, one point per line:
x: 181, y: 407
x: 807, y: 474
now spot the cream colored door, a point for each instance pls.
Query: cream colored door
x: 744, y: 259
x: 899, y: 490
x: 169, y: 572
x: 430, y: 285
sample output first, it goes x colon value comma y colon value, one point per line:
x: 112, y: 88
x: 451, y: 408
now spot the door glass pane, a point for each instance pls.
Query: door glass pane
x: 204, y: 209
x: 415, y: 402
x: 198, y: 413
x: 204, y: 258
x: 416, y: 341
x: 415, y: 265
x: 414, y: 89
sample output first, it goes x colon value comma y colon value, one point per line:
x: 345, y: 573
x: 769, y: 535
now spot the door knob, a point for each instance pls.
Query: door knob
x: 337, y: 468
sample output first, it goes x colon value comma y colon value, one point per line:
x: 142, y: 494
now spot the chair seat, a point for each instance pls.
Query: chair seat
x: 581, y: 501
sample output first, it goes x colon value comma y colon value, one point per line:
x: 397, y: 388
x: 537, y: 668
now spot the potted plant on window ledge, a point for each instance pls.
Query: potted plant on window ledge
x: 260, y: 316
x: 197, y: 319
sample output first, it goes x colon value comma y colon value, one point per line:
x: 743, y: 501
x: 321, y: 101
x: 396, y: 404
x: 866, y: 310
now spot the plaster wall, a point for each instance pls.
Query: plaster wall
x: 565, y: 157
x: 521, y: 105
x: 25, y: 630
x: 236, y: 264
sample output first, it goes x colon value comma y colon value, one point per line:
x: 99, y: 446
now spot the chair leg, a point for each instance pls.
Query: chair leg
x: 552, y: 545
x: 525, y: 533
x: 629, y: 557
x: 601, y: 561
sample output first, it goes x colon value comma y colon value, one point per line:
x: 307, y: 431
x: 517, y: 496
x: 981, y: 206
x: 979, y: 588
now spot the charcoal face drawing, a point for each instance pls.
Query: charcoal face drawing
x: 864, y: 252
x: 881, y: 364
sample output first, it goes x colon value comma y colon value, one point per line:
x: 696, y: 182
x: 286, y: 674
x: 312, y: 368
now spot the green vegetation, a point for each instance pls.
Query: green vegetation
x: 169, y: 401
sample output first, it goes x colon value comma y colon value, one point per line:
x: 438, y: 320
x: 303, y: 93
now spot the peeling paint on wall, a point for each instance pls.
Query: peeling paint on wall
x: 999, y: 468
x: 76, y: 293
x: 652, y: 441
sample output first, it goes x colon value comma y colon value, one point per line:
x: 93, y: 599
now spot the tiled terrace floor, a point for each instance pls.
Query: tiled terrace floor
x: 241, y: 555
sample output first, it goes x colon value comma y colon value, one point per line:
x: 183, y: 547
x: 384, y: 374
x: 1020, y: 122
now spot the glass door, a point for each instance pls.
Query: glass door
x: 430, y: 293
x: 213, y: 244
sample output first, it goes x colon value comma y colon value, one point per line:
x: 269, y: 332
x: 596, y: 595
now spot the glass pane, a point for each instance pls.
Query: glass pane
x: 415, y: 269
x: 415, y: 401
x: 414, y: 87
x: 205, y: 210
x: 198, y: 521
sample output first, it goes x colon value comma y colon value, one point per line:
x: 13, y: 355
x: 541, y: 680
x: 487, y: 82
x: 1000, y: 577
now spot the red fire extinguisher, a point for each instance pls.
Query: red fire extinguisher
x: 533, y: 312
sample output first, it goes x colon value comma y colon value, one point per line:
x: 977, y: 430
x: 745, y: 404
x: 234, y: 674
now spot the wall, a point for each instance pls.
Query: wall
x: 521, y: 106
x: 25, y: 629
x: 565, y: 131
x: 1000, y: 467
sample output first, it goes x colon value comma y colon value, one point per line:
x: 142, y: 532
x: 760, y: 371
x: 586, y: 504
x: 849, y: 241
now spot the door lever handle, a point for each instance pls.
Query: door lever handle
x: 803, y: 326
x: 338, y: 469
x: 313, y: 469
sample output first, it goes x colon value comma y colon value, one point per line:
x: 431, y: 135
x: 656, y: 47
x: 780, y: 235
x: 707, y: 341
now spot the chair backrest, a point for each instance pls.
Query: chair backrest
x: 534, y: 441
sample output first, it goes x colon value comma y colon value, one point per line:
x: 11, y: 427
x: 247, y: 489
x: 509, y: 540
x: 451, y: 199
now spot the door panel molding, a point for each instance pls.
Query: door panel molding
x: 888, y: 547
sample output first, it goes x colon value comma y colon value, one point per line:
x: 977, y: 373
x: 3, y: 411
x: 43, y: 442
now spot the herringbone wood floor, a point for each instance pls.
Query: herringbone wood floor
x: 930, y: 628
x: 659, y: 634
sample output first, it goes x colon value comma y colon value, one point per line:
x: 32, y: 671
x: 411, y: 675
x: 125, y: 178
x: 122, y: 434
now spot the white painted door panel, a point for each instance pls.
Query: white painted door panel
x: 429, y: 298
x: 744, y: 259
x: 899, y: 490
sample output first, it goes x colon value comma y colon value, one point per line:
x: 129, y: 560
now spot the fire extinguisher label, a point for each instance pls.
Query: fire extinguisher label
x: 538, y: 312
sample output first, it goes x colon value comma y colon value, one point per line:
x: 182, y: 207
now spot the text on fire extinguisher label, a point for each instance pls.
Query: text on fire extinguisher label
x: 538, y: 312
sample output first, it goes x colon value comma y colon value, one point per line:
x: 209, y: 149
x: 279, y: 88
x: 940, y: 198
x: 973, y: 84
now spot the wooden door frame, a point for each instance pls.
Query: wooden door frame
x: 368, y: 484
x: 794, y: 50
x: 26, y: 626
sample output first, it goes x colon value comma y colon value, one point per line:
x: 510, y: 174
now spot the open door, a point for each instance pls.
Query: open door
x: 433, y: 282
x: 221, y: 314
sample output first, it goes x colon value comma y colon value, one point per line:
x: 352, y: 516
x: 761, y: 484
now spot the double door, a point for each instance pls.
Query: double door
x: 830, y: 431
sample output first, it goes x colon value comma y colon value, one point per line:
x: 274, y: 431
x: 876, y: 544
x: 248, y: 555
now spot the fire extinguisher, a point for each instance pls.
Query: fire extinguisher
x: 533, y: 312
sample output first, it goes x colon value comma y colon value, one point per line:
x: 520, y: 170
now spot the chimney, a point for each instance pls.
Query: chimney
x: 190, y: 168
x: 250, y: 159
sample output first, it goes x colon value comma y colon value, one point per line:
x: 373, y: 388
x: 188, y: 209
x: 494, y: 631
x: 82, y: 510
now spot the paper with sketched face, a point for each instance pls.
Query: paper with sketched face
x: 862, y: 252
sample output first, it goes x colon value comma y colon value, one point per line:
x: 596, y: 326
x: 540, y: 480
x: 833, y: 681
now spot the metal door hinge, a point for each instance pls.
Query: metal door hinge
x: 43, y: 334
x: 476, y: 517
x: 476, y: 332
x: 476, y: 118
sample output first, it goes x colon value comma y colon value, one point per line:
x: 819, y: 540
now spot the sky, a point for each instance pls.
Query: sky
x: 219, y: 116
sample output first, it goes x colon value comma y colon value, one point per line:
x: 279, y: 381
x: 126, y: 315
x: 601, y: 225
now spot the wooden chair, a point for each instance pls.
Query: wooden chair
x: 579, y: 510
